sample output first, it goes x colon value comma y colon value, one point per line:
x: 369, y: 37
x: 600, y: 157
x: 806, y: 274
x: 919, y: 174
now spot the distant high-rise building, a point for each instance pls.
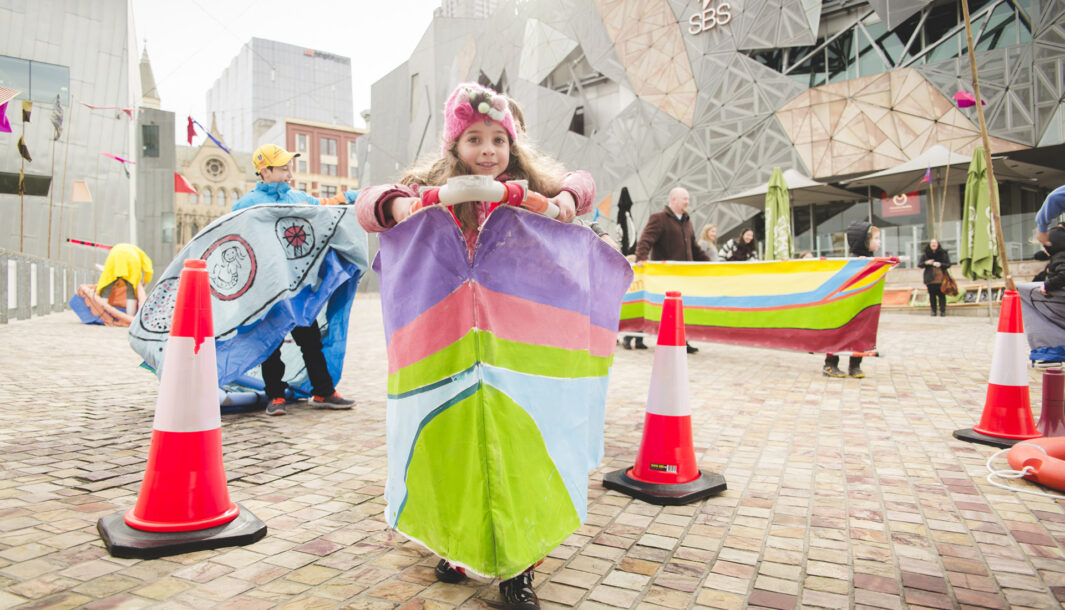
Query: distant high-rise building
x: 269, y: 81
x: 469, y: 9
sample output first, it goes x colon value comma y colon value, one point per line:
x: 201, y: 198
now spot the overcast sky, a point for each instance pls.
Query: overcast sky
x: 190, y: 43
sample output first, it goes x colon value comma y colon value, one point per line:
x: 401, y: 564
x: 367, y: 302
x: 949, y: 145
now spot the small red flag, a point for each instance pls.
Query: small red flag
x: 181, y: 184
x: 191, y: 131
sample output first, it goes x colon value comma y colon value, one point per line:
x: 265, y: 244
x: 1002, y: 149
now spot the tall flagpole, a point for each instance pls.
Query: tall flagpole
x: 987, y: 153
x: 63, y: 200
x: 51, y: 194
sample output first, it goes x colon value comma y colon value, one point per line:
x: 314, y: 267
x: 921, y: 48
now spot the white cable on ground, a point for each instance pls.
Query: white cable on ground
x: 1015, y: 474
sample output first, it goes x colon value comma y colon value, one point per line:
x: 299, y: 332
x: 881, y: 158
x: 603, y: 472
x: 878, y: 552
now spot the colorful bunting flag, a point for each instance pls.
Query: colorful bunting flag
x: 21, y: 187
x: 5, y: 125
x: 22, y: 150
x: 57, y: 117
x: 128, y: 111
x: 213, y: 139
x: 927, y: 175
x: 603, y: 207
x: 964, y: 99
x: 181, y: 184
x: 27, y: 108
x: 7, y: 94
x: 117, y: 158
x: 191, y: 131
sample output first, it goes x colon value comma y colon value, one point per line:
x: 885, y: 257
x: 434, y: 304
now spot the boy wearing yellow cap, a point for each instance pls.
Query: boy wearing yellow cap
x: 274, y: 166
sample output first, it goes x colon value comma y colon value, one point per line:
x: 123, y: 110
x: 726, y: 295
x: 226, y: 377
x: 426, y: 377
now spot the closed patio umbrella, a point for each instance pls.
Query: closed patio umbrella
x: 777, y: 218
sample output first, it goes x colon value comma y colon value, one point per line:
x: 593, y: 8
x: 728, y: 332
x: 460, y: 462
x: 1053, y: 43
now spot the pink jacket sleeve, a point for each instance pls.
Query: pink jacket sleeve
x: 581, y: 185
x: 368, y: 206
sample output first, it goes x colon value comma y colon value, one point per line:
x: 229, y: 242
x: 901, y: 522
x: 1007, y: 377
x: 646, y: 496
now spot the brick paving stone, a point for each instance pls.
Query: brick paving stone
x: 613, y: 596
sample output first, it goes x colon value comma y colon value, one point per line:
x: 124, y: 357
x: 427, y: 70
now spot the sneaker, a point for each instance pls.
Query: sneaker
x: 446, y: 573
x: 639, y: 344
x: 690, y: 348
x: 276, y: 407
x: 518, y: 593
x: 856, y: 372
x: 334, y: 401
x: 830, y: 370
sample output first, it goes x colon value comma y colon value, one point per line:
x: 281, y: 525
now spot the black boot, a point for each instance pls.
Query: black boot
x: 518, y: 593
x: 691, y: 349
x: 446, y: 573
x: 639, y: 343
x: 627, y: 342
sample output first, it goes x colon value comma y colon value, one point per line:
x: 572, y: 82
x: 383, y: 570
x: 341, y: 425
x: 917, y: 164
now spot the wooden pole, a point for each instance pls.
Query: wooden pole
x: 51, y: 194
x: 987, y: 152
x: 66, y: 156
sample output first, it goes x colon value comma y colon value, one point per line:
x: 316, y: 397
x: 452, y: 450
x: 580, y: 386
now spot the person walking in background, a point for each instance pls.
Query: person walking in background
x: 669, y: 236
x: 273, y: 164
x: 741, y: 248
x: 864, y: 240
x: 935, y: 262
x: 708, y: 242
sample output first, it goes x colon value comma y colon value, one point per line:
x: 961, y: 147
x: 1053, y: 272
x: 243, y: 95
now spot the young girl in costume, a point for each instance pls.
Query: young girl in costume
x: 480, y: 137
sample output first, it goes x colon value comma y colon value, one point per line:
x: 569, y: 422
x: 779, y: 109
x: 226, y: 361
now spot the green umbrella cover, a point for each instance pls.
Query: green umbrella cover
x: 777, y: 218
x: 979, y: 251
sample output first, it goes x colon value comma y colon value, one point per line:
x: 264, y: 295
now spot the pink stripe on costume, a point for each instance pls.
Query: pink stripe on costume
x: 433, y: 330
x: 517, y: 319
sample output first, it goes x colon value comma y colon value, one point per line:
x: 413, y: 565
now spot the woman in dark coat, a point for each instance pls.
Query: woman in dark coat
x: 935, y: 262
x: 740, y: 248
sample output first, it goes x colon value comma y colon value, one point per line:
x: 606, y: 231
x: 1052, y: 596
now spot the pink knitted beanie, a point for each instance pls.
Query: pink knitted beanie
x: 470, y: 103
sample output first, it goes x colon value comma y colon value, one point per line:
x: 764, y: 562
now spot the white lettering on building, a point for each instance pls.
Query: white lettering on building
x: 709, y: 17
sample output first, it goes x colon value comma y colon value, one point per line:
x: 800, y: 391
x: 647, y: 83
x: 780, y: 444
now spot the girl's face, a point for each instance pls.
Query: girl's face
x: 712, y: 233
x: 485, y: 148
x: 748, y: 236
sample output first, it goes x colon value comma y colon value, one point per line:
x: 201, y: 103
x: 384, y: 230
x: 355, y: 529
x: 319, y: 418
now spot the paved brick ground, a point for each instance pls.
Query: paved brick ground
x: 841, y: 493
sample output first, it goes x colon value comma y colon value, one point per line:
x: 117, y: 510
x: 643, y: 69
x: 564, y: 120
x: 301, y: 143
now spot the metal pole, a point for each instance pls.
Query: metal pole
x: 987, y: 155
x: 51, y: 194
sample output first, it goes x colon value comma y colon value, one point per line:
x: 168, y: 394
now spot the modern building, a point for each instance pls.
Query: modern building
x: 468, y: 9
x: 76, y: 60
x: 328, y: 163
x: 155, y: 172
x: 712, y: 95
x: 269, y: 80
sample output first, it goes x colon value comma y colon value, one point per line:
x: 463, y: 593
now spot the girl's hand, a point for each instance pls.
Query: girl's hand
x: 567, y: 206
x: 403, y: 207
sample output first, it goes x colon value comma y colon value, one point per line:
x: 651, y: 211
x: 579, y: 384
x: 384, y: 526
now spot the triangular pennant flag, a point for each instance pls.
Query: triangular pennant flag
x: 128, y: 111
x: 7, y: 94
x: 604, y: 205
x: 21, y: 186
x: 181, y: 184
x: 191, y: 131
x: 27, y: 107
x: 209, y: 135
x: 57, y: 117
x: 117, y: 158
x: 5, y: 125
x: 22, y: 150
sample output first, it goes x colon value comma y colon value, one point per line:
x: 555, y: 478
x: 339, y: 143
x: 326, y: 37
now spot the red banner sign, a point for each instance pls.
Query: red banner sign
x: 905, y: 204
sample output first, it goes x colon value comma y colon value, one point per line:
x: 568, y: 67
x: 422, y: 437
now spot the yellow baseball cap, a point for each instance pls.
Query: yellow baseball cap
x: 271, y: 155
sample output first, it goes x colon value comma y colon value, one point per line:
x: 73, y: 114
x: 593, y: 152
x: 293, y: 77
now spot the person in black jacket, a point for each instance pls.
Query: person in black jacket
x: 863, y: 239
x: 935, y: 262
x: 1055, y: 271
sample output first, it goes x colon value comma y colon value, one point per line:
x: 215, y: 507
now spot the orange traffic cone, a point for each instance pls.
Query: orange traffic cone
x: 1007, y: 416
x: 1052, y: 417
x: 184, y: 503
x: 665, y: 471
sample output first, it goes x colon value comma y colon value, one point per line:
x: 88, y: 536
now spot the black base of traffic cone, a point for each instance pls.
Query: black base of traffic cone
x: 706, y: 485
x: 122, y: 540
x: 972, y: 436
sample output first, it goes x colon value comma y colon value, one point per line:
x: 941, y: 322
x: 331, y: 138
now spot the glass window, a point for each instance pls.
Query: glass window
x: 46, y: 80
x: 236, y: 195
x: 206, y: 196
x: 150, y: 141
x: 302, y: 186
x: 329, y: 190
x: 352, y: 152
x: 221, y: 197
x: 15, y: 74
x: 166, y: 220
x: 329, y: 169
x: 328, y: 147
x: 194, y: 197
x: 301, y: 142
x: 301, y: 166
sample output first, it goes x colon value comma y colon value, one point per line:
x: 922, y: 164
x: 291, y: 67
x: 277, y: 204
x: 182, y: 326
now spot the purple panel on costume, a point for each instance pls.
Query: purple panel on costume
x: 433, y: 233
x: 551, y: 265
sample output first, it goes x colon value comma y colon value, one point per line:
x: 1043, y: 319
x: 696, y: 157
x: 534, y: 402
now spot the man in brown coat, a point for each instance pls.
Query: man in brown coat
x: 669, y: 236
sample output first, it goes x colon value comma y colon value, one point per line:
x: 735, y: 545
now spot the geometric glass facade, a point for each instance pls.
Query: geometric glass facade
x: 712, y: 95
